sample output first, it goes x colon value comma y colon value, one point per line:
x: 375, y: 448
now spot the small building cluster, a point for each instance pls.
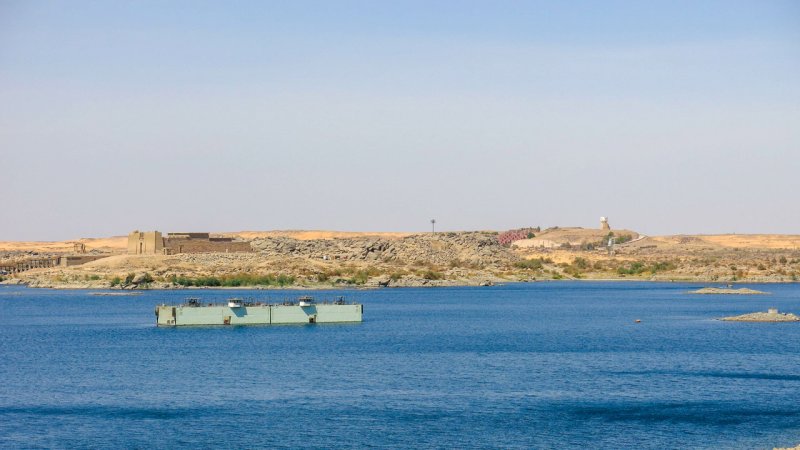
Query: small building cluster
x: 153, y: 243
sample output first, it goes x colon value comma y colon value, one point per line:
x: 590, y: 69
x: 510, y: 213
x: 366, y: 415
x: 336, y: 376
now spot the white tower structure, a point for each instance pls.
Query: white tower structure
x: 604, y: 223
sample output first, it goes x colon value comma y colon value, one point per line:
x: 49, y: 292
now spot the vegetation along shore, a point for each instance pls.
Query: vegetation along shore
x: 322, y: 259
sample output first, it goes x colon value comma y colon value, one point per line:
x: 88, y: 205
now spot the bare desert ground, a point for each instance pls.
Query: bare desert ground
x: 309, y: 258
x: 112, y: 244
x: 119, y: 243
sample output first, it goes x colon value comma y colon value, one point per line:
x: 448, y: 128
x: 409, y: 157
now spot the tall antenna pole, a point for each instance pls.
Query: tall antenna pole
x: 433, y: 226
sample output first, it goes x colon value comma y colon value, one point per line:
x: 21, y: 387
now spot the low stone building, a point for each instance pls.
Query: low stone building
x: 176, y: 243
x: 153, y: 243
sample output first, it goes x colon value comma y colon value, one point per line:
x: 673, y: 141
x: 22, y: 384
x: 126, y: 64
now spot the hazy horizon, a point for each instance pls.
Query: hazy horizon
x: 667, y: 117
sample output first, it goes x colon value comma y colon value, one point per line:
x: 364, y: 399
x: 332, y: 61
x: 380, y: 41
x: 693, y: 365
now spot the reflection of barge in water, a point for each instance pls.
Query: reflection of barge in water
x: 240, y: 312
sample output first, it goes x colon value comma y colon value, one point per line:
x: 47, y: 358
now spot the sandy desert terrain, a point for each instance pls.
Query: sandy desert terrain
x: 318, y: 258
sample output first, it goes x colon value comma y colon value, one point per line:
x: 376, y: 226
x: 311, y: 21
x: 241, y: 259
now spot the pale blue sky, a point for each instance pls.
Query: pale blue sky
x: 668, y: 117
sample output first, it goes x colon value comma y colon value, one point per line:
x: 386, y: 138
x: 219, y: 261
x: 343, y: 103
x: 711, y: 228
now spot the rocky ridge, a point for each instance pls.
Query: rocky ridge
x: 324, y: 260
x: 770, y: 316
x: 728, y: 291
x: 478, y: 249
x: 441, y: 259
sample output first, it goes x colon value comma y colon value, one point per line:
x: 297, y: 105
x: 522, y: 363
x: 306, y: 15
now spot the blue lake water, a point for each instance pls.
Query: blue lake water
x: 538, y: 365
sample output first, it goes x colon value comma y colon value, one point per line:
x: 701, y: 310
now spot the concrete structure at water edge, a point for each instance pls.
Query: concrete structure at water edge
x: 239, y: 312
x: 154, y: 243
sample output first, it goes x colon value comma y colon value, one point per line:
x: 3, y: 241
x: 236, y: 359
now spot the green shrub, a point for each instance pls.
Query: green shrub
x: 531, y: 264
x: 237, y: 280
x: 573, y: 271
x: 183, y: 281
x: 634, y: 268
x: 432, y: 275
x: 580, y: 263
x: 285, y: 280
x: 207, y: 281
x: 662, y: 266
x: 115, y: 281
x: 129, y: 278
x: 360, y: 277
x: 623, y: 238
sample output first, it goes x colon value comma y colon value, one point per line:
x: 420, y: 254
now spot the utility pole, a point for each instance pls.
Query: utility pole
x: 433, y: 226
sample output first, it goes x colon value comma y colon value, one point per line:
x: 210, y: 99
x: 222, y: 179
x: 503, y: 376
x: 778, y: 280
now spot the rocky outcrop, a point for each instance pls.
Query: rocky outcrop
x: 728, y: 291
x: 770, y: 316
x: 478, y: 249
x: 139, y: 278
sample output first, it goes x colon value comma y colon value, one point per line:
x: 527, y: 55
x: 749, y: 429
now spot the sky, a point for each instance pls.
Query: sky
x: 668, y: 117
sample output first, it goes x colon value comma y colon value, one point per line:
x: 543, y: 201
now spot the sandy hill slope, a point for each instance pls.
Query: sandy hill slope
x: 573, y: 236
x: 749, y: 241
x: 118, y: 244
x: 108, y: 244
x: 447, y: 258
x: 559, y: 235
x: 340, y: 258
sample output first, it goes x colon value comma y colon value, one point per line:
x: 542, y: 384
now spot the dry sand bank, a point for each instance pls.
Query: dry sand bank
x: 346, y: 259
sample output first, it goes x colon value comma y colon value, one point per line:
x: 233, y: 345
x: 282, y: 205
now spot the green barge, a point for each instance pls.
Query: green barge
x: 239, y: 312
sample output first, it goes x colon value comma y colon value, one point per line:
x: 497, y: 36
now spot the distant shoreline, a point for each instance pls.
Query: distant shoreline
x: 333, y: 260
x: 123, y: 292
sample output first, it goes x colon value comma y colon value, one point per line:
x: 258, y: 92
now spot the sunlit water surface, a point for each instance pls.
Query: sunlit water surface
x: 540, y: 365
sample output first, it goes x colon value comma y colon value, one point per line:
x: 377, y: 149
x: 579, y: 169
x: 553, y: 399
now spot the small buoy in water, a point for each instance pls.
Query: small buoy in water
x: 638, y: 321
